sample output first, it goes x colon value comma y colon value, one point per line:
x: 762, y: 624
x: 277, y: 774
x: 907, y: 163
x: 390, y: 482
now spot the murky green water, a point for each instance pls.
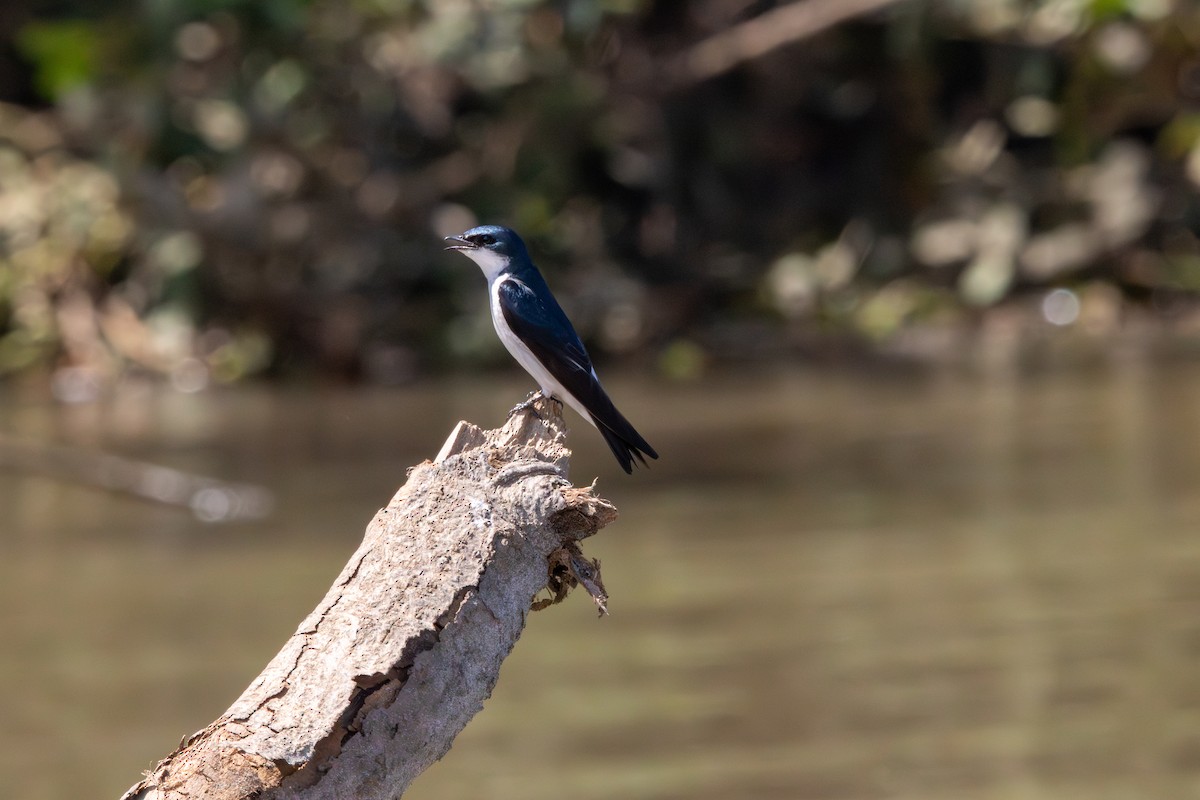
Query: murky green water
x: 833, y: 585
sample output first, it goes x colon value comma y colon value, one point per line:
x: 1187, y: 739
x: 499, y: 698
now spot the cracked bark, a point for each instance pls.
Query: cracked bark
x: 375, y: 684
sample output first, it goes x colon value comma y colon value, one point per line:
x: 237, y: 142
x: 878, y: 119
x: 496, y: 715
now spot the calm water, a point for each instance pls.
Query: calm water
x: 834, y: 585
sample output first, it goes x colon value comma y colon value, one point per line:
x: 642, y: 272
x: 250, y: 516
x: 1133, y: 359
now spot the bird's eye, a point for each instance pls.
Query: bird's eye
x: 487, y: 238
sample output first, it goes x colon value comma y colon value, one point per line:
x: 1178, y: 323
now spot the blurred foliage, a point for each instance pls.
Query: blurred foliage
x: 209, y: 188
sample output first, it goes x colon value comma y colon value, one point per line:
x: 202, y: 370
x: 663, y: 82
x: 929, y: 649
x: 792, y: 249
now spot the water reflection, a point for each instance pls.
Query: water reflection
x: 832, y: 585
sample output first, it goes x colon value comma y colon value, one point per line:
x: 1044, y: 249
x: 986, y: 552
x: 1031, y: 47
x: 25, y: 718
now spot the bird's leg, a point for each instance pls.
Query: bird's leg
x: 527, y: 404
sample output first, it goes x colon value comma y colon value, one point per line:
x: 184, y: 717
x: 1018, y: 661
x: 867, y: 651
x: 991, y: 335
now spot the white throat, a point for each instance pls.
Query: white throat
x: 491, y: 263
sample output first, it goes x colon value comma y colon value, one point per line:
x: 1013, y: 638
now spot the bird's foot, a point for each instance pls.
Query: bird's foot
x: 530, y: 405
x: 527, y: 405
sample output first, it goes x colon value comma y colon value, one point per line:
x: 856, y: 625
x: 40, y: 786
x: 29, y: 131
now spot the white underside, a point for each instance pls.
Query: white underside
x: 493, y: 265
x: 525, y: 357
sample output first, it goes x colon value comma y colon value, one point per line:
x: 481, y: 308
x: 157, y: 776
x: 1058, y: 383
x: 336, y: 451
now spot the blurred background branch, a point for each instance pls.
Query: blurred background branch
x: 760, y: 35
x: 210, y: 499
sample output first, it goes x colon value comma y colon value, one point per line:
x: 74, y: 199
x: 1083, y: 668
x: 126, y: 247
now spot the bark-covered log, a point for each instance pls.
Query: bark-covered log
x: 379, y: 679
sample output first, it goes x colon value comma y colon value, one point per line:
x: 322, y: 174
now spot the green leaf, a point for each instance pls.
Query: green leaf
x: 63, y: 54
x: 1103, y: 10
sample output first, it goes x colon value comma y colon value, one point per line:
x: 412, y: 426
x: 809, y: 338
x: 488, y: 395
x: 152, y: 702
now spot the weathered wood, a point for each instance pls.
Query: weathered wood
x: 403, y: 650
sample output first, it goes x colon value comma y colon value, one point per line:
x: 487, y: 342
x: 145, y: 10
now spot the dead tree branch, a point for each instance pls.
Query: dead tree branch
x: 379, y: 679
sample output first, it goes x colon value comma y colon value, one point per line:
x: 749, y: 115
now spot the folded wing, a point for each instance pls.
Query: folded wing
x: 533, y: 315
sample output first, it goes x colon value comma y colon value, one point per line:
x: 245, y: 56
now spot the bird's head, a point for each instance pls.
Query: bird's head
x: 492, y: 247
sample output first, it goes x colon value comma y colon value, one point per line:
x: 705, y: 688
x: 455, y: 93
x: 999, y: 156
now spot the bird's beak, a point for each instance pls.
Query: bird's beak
x: 458, y: 243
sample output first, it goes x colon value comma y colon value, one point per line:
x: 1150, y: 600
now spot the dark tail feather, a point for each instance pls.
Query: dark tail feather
x: 624, y: 449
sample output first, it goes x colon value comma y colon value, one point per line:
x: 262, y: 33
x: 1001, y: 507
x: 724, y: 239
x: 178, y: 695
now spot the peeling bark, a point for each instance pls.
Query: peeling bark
x: 375, y: 684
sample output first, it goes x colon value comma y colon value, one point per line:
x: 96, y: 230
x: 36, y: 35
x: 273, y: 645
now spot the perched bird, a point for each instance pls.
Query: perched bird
x: 535, y: 330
